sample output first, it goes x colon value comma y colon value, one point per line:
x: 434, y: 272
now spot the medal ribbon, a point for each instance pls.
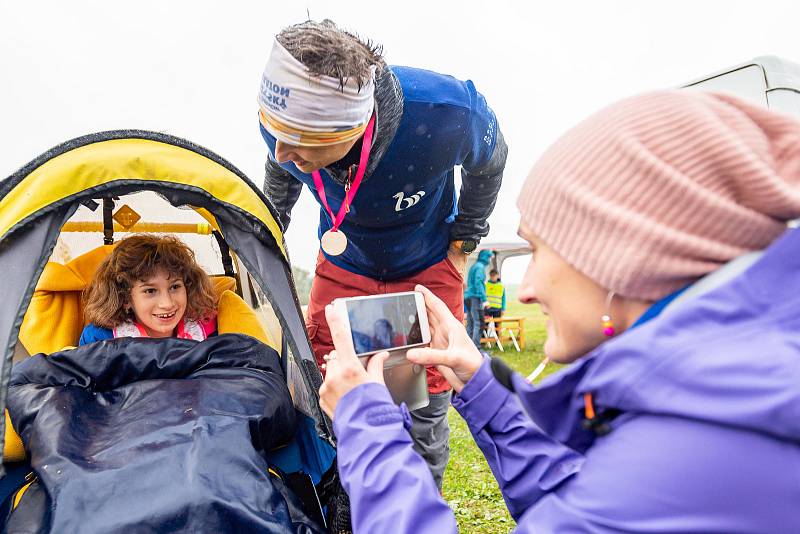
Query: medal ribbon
x: 366, y: 144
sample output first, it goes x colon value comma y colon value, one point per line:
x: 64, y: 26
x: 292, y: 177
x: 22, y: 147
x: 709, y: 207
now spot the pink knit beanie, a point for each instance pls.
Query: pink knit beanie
x: 655, y: 191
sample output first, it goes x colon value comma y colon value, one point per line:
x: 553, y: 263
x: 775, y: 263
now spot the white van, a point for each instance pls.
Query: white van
x: 767, y: 80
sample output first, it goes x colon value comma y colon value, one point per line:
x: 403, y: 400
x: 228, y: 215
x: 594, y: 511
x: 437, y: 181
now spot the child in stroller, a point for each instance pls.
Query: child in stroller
x: 149, y: 286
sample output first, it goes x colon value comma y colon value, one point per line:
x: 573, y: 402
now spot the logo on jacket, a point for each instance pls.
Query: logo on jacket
x: 404, y: 202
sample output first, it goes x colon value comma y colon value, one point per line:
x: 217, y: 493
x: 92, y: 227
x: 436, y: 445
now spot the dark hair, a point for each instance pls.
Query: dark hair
x: 327, y: 50
x: 139, y: 257
x: 494, y: 271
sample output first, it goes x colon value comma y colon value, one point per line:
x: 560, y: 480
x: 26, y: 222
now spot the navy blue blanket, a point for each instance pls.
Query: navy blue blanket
x: 146, y: 435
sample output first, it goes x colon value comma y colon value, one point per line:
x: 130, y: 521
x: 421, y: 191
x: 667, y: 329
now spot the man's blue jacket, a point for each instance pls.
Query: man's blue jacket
x: 407, y: 211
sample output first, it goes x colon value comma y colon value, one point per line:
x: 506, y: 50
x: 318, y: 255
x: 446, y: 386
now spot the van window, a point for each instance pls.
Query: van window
x: 748, y: 83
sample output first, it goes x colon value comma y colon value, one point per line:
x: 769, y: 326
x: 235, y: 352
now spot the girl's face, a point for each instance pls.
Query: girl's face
x: 159, y: 303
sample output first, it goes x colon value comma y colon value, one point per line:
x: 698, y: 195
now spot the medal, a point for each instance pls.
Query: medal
x: 334, y: 242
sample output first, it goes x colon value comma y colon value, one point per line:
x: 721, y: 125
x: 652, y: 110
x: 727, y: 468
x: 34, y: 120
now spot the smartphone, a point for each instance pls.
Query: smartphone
x: 394, y: 322
x: 386, y: 322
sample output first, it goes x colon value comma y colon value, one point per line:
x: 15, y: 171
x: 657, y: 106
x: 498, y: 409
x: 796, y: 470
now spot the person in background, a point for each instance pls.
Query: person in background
x: 495, y: 296
x: 671, y: 283
x: 475, y: 297
x: 377, y: 146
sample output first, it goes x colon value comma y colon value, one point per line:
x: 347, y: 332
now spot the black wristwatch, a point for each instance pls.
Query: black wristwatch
x: 467, y: 246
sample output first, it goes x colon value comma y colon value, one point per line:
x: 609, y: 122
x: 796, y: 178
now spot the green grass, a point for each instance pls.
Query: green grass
x: 469, y: 486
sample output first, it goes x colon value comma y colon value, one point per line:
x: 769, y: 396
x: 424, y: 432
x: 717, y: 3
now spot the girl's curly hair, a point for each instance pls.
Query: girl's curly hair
x: 139, y: 257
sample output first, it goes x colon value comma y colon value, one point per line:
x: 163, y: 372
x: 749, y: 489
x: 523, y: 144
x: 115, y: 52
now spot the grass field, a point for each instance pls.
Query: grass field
x: 469, y: 486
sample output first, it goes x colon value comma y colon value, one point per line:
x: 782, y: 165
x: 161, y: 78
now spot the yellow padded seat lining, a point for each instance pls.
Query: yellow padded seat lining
x: 13, y: 450
x: 235, y: 316
x: 55, y: 315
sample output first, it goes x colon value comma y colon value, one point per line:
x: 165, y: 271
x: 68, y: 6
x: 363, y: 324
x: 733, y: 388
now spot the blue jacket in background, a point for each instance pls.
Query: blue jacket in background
x: 399, y: 221
x: 476, y: 278
x: 705, y: 437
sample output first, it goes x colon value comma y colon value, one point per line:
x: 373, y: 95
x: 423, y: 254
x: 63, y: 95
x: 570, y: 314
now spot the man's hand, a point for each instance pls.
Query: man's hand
x: 458, y: 259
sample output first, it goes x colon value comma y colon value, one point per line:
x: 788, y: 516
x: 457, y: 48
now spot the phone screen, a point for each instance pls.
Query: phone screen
x: 384, y: 322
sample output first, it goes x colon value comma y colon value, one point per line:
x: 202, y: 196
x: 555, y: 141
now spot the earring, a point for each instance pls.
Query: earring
x: 608, y: 325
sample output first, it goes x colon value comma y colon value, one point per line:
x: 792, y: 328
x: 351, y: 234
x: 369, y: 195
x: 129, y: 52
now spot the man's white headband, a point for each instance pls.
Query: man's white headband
x: 308, y: 110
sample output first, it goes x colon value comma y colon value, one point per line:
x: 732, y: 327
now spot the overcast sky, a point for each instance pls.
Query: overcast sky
x: 192, y: 68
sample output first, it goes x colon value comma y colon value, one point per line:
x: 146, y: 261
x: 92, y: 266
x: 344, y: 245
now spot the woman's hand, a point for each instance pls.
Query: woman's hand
x: 451, y: 349
x: 343, y: 369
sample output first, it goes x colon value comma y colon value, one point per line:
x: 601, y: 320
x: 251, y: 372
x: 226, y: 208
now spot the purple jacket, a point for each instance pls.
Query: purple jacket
x: 706, y: 436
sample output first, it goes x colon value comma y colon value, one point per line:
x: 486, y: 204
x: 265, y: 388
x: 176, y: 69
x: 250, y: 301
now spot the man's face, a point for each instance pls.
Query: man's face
x: 311, y: 158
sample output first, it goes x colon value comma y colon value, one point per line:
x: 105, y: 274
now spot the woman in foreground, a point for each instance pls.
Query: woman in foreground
x: 681, y: 409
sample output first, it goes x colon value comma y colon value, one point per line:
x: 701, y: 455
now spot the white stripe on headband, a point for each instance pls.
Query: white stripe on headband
x: 293, y: 97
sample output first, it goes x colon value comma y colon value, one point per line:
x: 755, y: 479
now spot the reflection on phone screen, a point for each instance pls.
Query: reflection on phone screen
x: 384, y: 323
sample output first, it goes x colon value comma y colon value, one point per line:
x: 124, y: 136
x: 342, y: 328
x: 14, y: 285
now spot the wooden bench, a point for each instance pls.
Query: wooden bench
x: 508, y: 329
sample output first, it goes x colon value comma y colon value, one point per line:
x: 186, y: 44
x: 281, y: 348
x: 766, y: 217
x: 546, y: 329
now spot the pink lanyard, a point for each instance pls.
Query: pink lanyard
x: 366, y: 144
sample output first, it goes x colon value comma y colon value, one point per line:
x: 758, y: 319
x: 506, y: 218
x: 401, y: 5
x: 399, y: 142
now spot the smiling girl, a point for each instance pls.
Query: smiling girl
x: 149, y: 286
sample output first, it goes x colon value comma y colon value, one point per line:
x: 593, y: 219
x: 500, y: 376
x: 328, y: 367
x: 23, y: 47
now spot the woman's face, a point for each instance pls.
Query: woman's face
x: 159, y: 303
x: 572, y: 302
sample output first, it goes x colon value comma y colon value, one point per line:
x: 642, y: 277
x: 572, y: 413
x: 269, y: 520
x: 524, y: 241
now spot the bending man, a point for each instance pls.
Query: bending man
x: 377, y: 146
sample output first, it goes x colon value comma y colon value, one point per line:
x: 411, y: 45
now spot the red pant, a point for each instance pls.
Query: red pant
x: 331, y: 282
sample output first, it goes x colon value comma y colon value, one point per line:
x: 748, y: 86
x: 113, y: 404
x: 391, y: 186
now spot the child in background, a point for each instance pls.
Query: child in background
x: 495, y: 296
x: 149, y: 286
